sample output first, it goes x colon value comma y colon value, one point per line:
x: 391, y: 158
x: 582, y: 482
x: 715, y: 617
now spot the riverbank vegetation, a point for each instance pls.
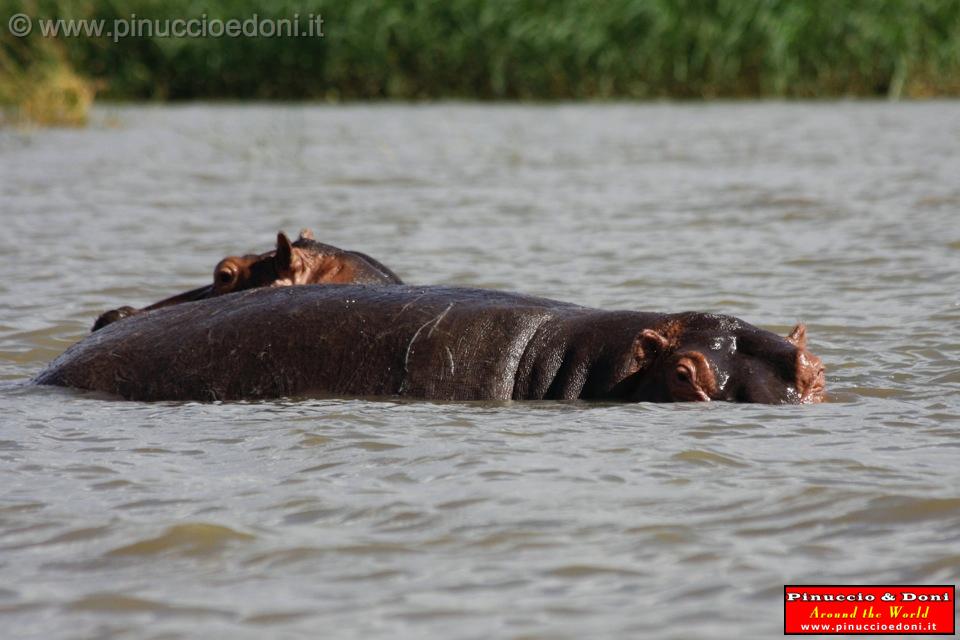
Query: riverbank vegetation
x: 475, y: 49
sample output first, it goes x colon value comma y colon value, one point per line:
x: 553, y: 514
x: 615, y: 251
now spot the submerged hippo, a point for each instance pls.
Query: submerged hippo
x: 302, y: 262
x: 442, y: 343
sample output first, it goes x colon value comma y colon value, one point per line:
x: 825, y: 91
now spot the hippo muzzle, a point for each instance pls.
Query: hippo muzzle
x: 811, y: 378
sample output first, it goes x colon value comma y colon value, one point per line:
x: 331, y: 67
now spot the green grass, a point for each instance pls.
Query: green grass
x: 521, y: 49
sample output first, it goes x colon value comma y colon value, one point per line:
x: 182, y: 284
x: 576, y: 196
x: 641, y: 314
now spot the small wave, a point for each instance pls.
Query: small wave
x: 192, y: 539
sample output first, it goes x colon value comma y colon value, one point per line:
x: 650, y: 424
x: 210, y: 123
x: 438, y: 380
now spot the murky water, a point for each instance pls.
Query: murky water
x: 361, y: 519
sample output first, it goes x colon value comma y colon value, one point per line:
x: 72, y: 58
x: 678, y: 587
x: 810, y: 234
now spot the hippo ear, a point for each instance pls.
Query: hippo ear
x: 305, y: 234
x: 288, y: 261
x: 646, y: 347
x: 284, y: 258
x: 649, y: 345
x: 798, y: 337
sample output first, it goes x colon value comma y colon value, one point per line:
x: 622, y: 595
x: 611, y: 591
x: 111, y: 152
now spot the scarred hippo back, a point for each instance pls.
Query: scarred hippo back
x: 332, y: 339
x: 349, y: 340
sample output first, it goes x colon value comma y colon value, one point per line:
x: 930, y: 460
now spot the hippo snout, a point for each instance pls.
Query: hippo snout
x: 811, y: 378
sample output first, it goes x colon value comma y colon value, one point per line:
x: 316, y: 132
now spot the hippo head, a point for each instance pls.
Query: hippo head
x: 290, y: 263
x: 302, y: 262
x: 305, y: 261
x: 704, y: 357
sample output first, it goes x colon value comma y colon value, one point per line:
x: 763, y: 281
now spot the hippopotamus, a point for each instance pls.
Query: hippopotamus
x: 435, y: 343
x: 305, y: 261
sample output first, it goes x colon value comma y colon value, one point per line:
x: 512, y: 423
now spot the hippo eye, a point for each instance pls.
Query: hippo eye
x: 225, y: 276
x: 683, y: 375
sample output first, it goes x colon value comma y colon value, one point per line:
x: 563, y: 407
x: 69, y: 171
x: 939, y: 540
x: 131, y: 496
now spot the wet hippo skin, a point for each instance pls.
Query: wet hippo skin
x: 443, y: 343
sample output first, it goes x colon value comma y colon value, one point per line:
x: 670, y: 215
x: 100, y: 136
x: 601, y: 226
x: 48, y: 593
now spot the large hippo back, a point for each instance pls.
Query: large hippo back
x: 442, y: 343
x: 427, y: 342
